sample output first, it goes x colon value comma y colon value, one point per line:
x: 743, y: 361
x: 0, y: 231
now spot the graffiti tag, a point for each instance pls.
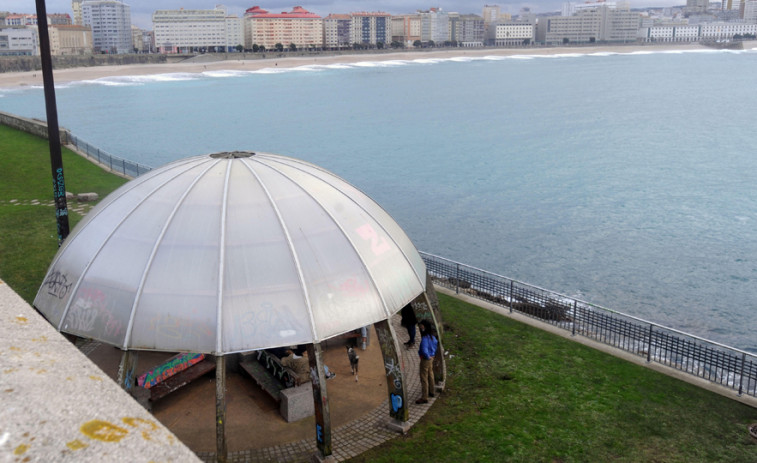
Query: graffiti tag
x: 57, y: 284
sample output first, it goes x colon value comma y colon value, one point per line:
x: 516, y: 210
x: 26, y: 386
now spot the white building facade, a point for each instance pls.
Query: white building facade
x: 513, y: 33
x: 185, y: 31
x: 434, y: 25
x: 110, y: 21
x: 18, y: 41
x: 337, y: 31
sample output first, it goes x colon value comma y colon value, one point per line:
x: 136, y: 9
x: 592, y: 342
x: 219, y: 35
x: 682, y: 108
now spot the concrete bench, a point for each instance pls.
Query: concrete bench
x: 281, y: 384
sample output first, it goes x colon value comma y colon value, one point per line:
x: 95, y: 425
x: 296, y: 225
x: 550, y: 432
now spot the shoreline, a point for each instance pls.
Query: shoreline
x: 14, y: 80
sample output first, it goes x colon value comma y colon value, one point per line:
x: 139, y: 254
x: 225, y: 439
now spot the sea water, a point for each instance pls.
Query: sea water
x: 626, y: 180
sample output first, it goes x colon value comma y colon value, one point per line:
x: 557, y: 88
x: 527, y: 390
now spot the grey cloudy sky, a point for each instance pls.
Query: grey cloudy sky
x: 141, y: 11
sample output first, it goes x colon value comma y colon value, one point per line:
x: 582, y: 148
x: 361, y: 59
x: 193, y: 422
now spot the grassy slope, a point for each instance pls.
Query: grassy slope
x: 28, y: 234
x: 516, y: 393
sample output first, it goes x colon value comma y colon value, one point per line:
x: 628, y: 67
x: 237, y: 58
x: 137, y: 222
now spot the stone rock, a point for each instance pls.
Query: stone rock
x: 87, y: 197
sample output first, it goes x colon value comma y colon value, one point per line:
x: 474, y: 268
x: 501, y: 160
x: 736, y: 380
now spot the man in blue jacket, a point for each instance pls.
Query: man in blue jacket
x: 427, y: 351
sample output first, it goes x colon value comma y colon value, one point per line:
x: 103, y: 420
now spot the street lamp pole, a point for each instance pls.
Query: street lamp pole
x: 53, y: 132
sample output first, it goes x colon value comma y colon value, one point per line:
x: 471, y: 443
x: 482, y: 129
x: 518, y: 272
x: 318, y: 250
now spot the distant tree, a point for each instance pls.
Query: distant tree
x: 279, y: 46
x: 447, y: 43
x: 417, y: 44
x: 239, y: 48
x: 292, y: 47
x: 431, y: 43
x: 738, y: 37
x: 526, y: 41
x: 565, y: 40
x: 592, y: 39
x: 750, y: 36
x: 396, y: 44
x: 380, y: 45
x: 261, y: 48
x: 454, y: 43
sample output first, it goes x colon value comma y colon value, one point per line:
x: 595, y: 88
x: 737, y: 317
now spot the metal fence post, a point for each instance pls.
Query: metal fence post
x: 123, y: 166
x: 575, y: 310
x: 741, y: 376
x: 511, y: 296
x: 649, y: 344
x: 457, y: 279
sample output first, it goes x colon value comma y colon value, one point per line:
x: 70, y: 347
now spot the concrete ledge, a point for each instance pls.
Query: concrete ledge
x: 297, y: 403
x: 395, y: 425
x: 58, y: 406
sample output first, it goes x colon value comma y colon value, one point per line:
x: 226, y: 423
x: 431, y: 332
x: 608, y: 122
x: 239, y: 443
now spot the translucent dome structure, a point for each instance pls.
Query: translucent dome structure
x: 230, y: 252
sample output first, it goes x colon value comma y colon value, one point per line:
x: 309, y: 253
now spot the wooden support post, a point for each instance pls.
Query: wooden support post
x: 321, y: 401
x: 127, y: 370
x: 395, y: 376
x: 221, y: 449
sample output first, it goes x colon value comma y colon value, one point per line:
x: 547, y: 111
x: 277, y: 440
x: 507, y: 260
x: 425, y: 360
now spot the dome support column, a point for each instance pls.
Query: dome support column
x: 321, y: 402
x: 127, y: 370
x: 424, y: 311
x: 221, y: 448
x: 395, y: 381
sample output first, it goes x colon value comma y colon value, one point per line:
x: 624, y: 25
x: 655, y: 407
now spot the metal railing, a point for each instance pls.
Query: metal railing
x: 717, y: 363
x: 114, y: 163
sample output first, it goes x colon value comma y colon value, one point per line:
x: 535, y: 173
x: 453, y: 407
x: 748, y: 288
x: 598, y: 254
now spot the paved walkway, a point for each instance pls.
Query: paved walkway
x: 351, y: 439
x: 76, y: 206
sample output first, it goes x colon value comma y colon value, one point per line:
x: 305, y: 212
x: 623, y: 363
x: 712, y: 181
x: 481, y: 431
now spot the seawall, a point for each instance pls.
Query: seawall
x: 32, y: 126
x: 33, y: 63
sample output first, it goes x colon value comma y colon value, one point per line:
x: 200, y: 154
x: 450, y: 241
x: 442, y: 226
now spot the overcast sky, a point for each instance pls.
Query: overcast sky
x: 141, y: 11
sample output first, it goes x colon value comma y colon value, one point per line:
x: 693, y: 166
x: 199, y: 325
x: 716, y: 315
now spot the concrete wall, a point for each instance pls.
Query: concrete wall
x: 32, y: 126
x: 32, y: 63
x: 59, y: 406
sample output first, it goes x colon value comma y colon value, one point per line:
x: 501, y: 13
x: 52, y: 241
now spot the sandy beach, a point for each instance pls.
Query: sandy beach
x: 204, y: 63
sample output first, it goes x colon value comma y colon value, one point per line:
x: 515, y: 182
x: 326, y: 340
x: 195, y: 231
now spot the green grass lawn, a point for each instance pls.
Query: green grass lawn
x: 28, y: 233
x: 514, y: 393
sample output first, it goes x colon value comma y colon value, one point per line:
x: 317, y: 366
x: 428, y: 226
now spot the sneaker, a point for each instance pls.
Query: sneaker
x: 331, y: 375
x: 421, y: 401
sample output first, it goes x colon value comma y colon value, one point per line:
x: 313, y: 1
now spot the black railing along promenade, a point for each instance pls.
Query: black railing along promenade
x: 717, y: 363
x: 114, y: 163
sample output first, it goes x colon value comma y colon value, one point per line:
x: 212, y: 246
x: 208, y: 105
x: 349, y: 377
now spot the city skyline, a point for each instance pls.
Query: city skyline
x: 141, y: 13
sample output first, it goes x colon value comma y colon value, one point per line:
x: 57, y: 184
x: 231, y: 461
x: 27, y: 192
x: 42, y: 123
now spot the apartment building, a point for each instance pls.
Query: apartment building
x: 76, y: 8
x: 589, y: 25
x: 406, y: 29
x: 434, y: 25
x: 337, y: 31
x: 184, y: 31
x: 299, y: 27
x: 371, y: 28
x: 466, y: 30
x: 110, y: 21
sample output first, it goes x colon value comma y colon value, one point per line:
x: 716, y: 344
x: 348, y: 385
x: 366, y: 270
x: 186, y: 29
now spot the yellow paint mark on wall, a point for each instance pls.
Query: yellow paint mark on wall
x: 104, y: 431
x: 76, y: 445
x: 95, y: 378
x: 15, y: 349
x: 141, y: 423
x: 40, y: 339
x: 21, y: 449
x: 21, y: 320
x: 10, y: 370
